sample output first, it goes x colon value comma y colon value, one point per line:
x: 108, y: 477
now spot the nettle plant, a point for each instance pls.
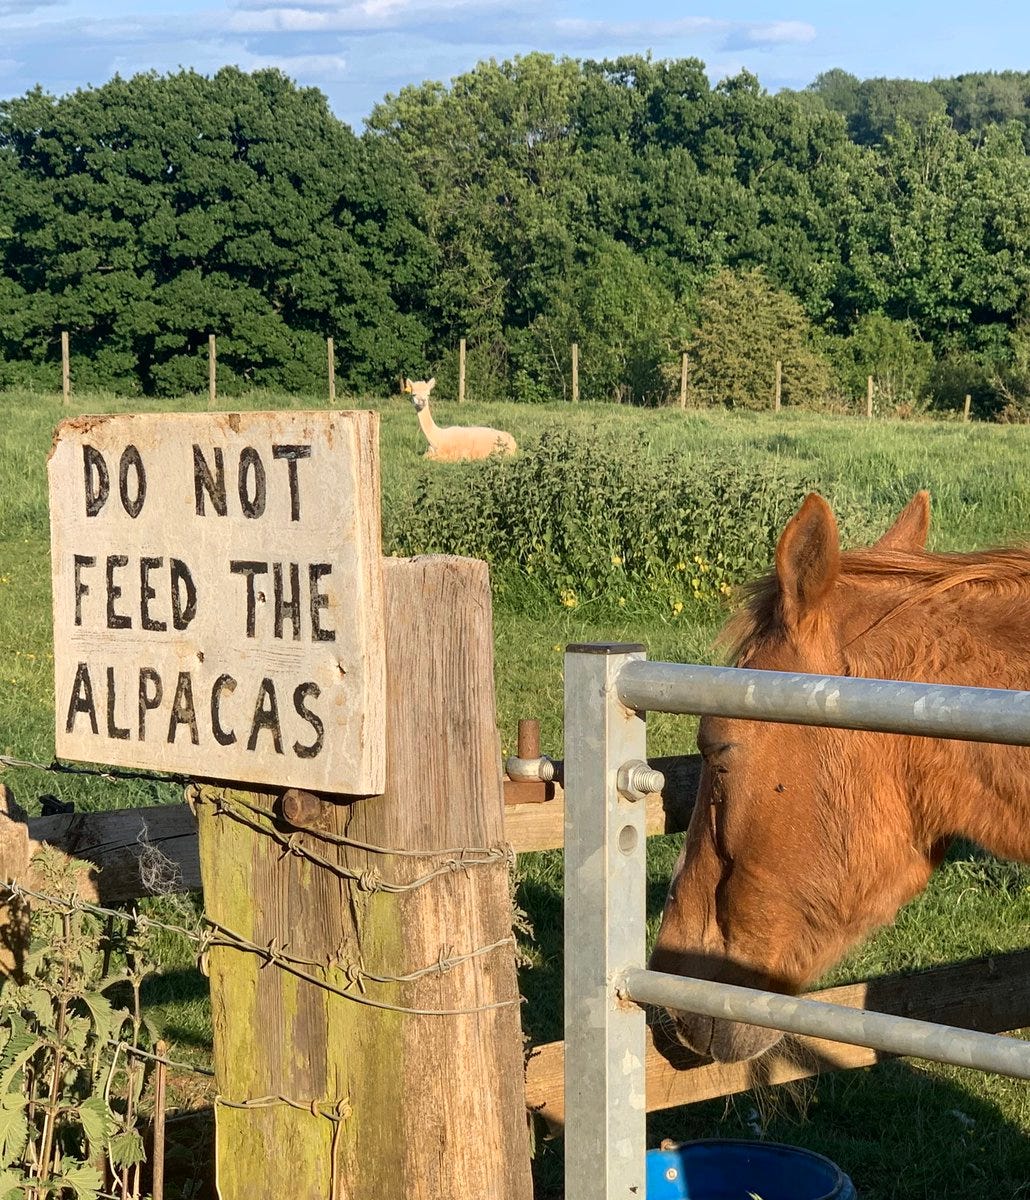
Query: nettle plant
x: 588, y: 517
x: 71, y: 1087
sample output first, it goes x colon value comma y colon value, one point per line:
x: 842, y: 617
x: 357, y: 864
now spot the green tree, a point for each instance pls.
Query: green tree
x: 152, y: 211
x: 946, y: 244
x: 745, y: 325
x: 891, y: 352
x: 629, y: 329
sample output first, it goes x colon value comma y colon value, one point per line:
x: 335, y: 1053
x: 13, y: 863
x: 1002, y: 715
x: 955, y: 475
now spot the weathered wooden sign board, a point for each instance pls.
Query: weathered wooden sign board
x: 218, y: 596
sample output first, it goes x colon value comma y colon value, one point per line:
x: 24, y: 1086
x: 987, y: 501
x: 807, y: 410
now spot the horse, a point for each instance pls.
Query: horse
x: 804, y: 839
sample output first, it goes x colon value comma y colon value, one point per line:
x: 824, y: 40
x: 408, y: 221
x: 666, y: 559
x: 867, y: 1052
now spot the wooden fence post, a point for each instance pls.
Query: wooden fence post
x: 66, y: 368
x: 684, y: 369
x: 869, y: 396
x: 331, y: 353
x: 461, y: 371
x: 415, y: 1107
x: 212, y: 371
x: 778, y: 391
x: 575, y: 372
x: 966, y: 407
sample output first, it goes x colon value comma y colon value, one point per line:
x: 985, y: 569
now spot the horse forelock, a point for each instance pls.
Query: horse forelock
x: 891, y: 586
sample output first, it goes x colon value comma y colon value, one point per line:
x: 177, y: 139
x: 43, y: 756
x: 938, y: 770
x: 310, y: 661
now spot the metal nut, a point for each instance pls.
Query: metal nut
x: 637, y: 780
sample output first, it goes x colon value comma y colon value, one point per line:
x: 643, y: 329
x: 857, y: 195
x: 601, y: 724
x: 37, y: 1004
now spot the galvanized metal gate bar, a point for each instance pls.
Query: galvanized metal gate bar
x: 816, y: 1018
x: 605, y: 903
x: 608, y: 688
x: 889, y: 706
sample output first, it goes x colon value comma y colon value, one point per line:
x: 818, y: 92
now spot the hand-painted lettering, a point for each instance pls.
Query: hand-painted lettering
x: 300, y: 696
x: 292, y: 454
x: 253, y: 493
x: 250, y: 570
x: 183, y: 711
x: 319, y: 600
x: 266, y: 716
x: 81, y: 700
x: 81, y: 589
x: 204, y: 481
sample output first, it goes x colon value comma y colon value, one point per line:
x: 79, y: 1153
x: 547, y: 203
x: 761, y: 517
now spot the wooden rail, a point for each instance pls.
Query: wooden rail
x: 988, y: 994
x: 114, y: 841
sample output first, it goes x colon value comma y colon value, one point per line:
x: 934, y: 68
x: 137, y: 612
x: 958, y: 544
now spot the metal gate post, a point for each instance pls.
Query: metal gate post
x: 605, y: 930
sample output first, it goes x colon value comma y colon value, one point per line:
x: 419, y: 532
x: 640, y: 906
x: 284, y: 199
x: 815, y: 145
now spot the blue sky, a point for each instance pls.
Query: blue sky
x: 356, y: 51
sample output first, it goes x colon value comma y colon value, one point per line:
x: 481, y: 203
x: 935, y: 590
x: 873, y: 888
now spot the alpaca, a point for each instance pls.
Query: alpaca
x: 456, y: 442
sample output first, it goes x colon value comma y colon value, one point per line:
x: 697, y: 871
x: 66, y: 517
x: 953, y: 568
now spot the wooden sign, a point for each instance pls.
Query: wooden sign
x: 218, y: 596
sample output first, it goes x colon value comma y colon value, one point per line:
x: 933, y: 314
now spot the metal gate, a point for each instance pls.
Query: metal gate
x: 608, y: 689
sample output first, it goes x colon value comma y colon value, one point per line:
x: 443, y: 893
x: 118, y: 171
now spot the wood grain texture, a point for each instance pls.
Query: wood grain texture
x: 989, y: 994
x: 434, y: 1104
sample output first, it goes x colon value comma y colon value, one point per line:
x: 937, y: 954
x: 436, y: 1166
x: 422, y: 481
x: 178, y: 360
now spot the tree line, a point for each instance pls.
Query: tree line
x: 853, y: 228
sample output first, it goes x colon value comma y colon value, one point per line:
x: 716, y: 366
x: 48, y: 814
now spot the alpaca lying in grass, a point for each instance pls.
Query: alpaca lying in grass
x: 457, y: 442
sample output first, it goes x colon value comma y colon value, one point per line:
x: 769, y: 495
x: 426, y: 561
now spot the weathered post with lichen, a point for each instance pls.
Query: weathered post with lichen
x: 222, y: 610
x: 373, y: 1052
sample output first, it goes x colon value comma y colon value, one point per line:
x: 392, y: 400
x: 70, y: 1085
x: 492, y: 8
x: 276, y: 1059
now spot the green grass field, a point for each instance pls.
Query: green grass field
x: 904, y: 1130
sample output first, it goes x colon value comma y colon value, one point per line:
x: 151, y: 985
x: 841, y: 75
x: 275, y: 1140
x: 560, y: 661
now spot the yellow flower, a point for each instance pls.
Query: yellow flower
x: 622, y: 602
x: 556, y: 646
x: 680, y: 566
x: 616, y: 561
x: 568, y: 598
x: 677, y: 608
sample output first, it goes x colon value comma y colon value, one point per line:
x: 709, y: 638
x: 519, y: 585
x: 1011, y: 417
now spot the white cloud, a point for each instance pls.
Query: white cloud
x: 770, y: 33
x: 9, y: 7
x: 323, y: 16
x: 618, y: 31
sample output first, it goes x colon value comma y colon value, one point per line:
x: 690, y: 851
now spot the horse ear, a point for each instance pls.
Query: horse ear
x: 807, y: 559
x: 910, y: 530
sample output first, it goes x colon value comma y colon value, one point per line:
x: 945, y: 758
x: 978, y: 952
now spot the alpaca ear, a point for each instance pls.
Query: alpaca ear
x: 406, y: 385
x: 910, y: 530
x: 807, y: 559
x: 431, y: 384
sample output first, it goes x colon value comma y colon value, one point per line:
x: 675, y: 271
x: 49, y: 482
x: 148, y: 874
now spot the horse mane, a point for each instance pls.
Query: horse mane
x: 913, y: 577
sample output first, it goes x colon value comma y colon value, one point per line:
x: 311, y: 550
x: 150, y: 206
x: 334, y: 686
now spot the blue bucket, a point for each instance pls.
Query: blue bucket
x: 728, y: 1169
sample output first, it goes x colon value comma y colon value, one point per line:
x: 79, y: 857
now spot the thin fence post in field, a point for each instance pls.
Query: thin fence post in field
x: 966, y: 406
x: 212, y: 371
x: 66, y: 368
x: 575, y: 372
x: 461, y: 371
x: 778, y: 391
x: 869, y: 396
x: 331, y: 354
x: 684, y: 369
x: 158, y: 1148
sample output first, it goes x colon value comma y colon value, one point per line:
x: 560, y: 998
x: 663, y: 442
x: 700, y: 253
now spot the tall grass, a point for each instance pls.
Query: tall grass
x: 894, y: 1128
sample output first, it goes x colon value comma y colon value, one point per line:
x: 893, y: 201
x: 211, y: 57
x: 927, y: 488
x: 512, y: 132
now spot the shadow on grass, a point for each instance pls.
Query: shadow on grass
x: 901, y: 1130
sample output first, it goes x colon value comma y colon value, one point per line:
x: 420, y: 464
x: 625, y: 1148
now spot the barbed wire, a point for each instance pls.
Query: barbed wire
x: 136, y: 1052
x: 371, y: 879
x: 337, y: 839
x: 111, y: 774
x: 337, y: 1114
x: 218, y: 935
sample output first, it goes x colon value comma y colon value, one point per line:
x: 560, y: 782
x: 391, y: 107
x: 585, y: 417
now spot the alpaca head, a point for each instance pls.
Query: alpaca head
x: 418, y: 390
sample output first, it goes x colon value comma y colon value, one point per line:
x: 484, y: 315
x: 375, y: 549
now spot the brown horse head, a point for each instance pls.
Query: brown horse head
x: 803, y: 839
